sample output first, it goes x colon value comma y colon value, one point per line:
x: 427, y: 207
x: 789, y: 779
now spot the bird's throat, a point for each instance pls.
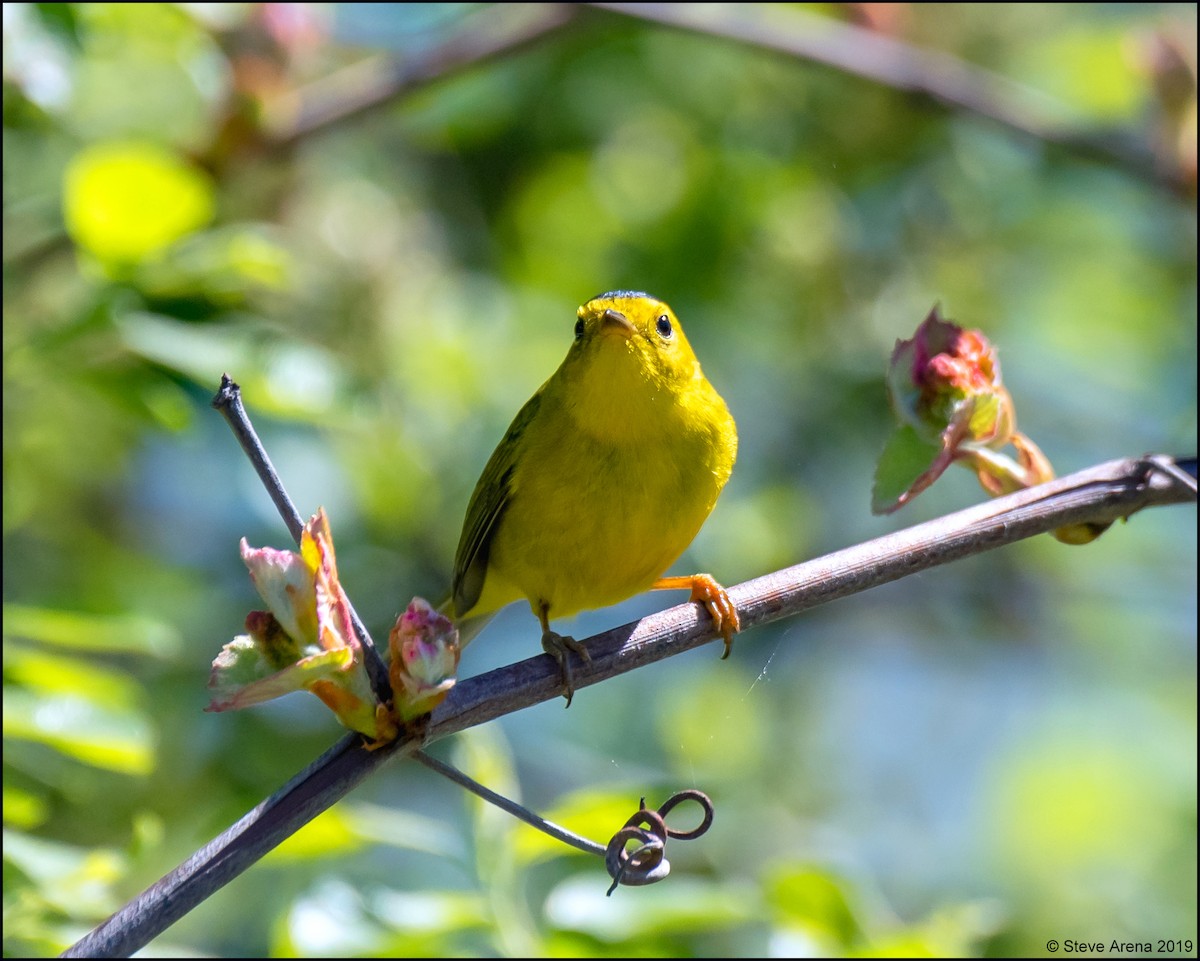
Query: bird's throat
x: 615, y: 395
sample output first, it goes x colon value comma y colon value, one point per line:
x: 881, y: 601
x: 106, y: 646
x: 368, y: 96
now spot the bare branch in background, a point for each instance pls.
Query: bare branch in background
x: 375, y: 82
x: 941, y: 77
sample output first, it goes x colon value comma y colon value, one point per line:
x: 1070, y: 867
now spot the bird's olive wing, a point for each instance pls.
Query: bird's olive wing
x: 491, y: 496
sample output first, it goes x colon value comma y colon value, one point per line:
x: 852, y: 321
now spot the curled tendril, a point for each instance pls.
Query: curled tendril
x: 678, y: 798
x: 647, y: 862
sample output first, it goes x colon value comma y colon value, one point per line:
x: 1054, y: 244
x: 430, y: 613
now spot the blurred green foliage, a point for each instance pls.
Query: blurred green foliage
x: 972, y: 761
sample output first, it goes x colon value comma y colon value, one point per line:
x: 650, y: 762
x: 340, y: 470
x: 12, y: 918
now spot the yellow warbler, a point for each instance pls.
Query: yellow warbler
x: 603, y: 479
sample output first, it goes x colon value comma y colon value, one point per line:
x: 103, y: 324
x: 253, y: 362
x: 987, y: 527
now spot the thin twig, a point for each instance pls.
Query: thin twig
x: 228, y: 402
x: 516, y: 810
x: 941, y: 77
x: 1104, y: 493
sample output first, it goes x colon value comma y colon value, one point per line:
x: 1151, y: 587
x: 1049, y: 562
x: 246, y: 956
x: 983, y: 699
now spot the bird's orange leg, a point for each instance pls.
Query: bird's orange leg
x: 713, y: 596
x: 558, y: 647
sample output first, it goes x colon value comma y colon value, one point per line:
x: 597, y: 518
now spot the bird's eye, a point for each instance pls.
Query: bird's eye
x: 663, y: 326
x: 579, y: 328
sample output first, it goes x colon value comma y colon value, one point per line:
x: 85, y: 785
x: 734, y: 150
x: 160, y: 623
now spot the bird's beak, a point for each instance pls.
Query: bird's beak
x: 614, y: 322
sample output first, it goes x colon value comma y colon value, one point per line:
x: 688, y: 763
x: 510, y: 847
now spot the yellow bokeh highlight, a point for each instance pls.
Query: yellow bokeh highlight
x: 127, y: 202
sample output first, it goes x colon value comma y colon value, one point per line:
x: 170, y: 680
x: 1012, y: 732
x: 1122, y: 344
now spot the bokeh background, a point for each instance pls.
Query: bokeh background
x: 379, y: 219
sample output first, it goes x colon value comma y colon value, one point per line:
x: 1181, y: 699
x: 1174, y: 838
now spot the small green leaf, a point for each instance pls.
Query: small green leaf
x: 986, y: 417
x: 905, y: 458
x: 242, y: 676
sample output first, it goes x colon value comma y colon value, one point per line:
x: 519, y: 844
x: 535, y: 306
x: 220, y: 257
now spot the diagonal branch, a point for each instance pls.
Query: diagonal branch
x: 1104, y: 493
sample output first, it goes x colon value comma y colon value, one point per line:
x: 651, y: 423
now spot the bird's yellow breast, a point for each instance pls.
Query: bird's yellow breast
x: 592, y: 520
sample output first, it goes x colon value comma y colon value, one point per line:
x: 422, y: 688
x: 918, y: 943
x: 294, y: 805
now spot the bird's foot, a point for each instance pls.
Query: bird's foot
x: 559, y: 647
x: 705, y: 590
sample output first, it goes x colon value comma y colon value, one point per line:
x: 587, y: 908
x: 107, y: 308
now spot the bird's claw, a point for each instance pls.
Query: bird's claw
x: 706, y: 591
x: 559, y: 646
